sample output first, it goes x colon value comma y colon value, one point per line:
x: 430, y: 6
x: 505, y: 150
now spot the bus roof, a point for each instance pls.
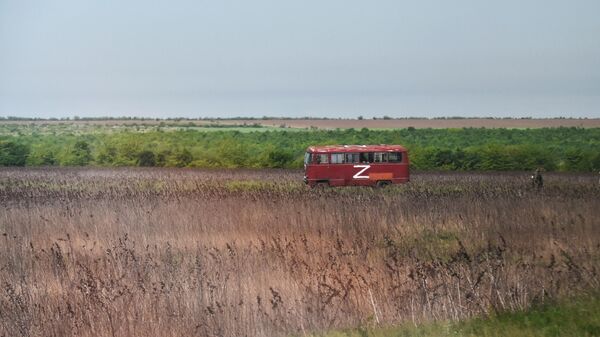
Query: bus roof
x: 356, y: 148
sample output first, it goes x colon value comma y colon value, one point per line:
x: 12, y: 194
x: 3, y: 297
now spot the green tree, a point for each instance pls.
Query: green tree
x: 146, y: 158
x: 13, y: 153
x: 79, y: 154
x: 162, y: 157
x: 232, y: 153
x: 278, y: 158
x: 107, y: 155
x: 183, y: 157
x: 42, y: 155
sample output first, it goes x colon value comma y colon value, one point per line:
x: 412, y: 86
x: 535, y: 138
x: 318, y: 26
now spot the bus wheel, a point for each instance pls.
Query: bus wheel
x: 383, y: 183
x: 321, y: 185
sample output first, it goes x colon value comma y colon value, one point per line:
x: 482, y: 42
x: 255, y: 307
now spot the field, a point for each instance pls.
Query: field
x: 307, y: 123
x: 420, y: 123
x: 185, y: 252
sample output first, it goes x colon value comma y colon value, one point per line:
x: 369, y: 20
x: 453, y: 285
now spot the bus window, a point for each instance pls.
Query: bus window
x: 321, y: 158
x: 337, y: 158
x: 381, y: 157
x: 366, y: 157
x: 395, y: 157
x: 306, y: 158
x: 351, y: 157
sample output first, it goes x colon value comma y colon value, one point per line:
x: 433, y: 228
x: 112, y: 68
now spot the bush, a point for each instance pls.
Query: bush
x: 146, y: 158
x: 13, y: 153
x: 564, y: 149
x: 79, y: 154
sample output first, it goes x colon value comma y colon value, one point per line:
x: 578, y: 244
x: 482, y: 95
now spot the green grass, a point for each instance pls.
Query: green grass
x: 577, y: 317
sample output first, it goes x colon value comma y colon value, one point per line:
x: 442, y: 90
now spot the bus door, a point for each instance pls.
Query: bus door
x: 321, y: 167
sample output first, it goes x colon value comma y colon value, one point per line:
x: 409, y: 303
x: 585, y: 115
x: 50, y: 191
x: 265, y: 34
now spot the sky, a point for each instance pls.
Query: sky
x: 326, y: 58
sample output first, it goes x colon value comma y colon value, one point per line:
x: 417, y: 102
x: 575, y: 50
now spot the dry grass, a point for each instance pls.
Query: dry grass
x: 103, y: 252
x: 425, y: 123
x: 343, y: 123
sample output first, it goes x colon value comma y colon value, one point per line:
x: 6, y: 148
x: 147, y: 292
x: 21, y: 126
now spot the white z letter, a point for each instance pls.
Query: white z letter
x: 358, y: 174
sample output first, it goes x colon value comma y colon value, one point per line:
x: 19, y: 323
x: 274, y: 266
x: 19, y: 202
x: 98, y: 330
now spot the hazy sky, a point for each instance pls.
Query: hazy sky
x: 299, y: 58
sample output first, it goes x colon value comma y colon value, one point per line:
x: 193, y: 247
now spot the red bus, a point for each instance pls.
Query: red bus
x: 356, y: 165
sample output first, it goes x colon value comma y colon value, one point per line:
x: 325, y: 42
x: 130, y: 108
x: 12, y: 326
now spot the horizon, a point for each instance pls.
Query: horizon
x: 76, y: 118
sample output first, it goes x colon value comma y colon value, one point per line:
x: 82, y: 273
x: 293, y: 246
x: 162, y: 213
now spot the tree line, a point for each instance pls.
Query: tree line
x: 555, y: 149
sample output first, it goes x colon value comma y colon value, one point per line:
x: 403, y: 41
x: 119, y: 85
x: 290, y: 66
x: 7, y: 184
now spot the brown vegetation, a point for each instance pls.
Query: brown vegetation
x: 380, y: 123
x: 102, y: 252
x: 420, y: 123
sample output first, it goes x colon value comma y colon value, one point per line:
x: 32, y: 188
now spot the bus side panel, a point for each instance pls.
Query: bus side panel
x: 402, y: 172
x: 357, y: 174
x: 393, y: 172
x: 367, y: 174
x: 337, y: 174
x: 317, y: 172
x: 347, y: 173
